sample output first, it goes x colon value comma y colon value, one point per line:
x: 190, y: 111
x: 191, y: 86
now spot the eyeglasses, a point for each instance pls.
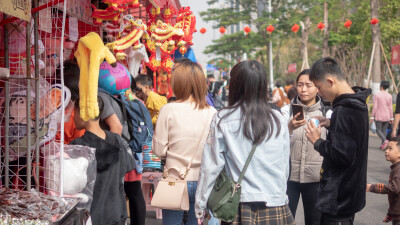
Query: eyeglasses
x: 138, y: 89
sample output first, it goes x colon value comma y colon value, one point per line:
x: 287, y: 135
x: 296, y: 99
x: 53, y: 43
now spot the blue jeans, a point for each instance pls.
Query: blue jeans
x: 174, y: 217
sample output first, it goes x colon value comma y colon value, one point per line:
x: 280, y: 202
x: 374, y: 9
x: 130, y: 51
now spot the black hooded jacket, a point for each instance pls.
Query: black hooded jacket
x: 108, y: 206
x: 345, y: 152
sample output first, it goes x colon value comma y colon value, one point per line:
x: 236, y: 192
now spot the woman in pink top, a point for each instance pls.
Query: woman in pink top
x: 181, y: 132
x: 382, y: 112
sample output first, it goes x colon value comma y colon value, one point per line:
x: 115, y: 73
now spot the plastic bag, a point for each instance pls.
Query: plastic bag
x: 79, y: 174
x: 373, y: 127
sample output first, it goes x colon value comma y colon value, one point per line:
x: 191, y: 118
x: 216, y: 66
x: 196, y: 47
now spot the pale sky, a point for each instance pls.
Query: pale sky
x: 200, y: 41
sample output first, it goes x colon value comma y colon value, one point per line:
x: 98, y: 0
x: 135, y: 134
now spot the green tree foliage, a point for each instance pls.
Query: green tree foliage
x: 351, y: 47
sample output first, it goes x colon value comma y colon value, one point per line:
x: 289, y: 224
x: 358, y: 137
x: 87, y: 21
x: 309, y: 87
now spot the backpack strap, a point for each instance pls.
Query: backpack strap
x: 125, y: 117
x: 141, y: 110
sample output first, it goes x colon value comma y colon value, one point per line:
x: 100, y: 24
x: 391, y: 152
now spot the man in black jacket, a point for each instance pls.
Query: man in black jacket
x: 345, y: 151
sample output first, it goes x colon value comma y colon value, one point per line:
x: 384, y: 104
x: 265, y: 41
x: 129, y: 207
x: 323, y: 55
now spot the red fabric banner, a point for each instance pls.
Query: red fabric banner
x: 396, y: 55
x: 292, y: 68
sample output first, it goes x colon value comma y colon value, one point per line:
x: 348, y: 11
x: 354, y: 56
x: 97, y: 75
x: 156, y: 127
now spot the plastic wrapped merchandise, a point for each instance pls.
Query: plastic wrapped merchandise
x: 373, y: 127
x: 31, y: 207
x: 79, y: 173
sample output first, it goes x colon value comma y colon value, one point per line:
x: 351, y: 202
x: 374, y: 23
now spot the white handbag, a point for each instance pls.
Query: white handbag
x: 172, y: 193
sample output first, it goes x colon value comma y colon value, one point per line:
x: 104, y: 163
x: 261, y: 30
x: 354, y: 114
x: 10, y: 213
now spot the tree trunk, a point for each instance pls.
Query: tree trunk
x: 304, y: 41
x: 325, y: 48
x: 376, y: 38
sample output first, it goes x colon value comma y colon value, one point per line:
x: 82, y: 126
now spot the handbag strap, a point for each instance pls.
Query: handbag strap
x: 198, y: 143
x: 246, y: 165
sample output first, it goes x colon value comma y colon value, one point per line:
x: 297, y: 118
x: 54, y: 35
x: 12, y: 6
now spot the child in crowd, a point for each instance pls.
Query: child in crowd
x: 108, y: 206
x: 393, y: 187
x: 382, y: 112
x: 153, y: 101
x: 71, y: 81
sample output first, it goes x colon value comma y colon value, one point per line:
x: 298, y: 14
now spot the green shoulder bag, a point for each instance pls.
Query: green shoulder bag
x: 225, y: 195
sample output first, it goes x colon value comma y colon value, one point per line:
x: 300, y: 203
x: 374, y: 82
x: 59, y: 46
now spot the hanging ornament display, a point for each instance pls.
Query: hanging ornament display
x: 270, y: 29
x: 247, y: 29
x: 348, y: 23
x: 152, y: 14
x: 114, y: 5
x: 187, y: 22
x: 321, y: 26
x: 131, y: 40
x: 222, y: 30
x: 108, y: 15
x: 295, y: 28
x: 167, y: 13
x: 374, y: 21
x: 203, y: 30
x: 183, y: 50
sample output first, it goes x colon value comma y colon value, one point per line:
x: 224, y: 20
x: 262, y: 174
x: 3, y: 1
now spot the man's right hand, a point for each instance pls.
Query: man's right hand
x: 323, y: 121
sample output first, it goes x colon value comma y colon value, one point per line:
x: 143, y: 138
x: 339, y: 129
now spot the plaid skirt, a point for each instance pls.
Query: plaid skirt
x: 257, y: 213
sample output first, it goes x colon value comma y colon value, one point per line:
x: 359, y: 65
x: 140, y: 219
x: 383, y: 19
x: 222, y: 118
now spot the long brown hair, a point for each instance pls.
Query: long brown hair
x: 187, y: 80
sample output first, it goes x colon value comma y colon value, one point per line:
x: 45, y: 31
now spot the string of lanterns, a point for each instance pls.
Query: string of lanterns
x: 295, y: 28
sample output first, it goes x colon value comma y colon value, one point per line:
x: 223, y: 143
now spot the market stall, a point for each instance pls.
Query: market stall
x: 36, y: 39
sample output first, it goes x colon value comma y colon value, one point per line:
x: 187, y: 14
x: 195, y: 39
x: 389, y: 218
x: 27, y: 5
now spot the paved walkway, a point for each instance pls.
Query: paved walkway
x: 377, y: 205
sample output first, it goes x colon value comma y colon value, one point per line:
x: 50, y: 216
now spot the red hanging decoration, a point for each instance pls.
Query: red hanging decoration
x: 247, y: 29
x: 348, y: 23
x: 295, y: 28
x: 374, y: 21
x: 321, y: 26
x: 203, y: 30
x: 222, y: 29
x: 270, y: 28
x: 183, y: 50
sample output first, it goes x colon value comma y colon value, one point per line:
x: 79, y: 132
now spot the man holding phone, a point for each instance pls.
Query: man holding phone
x: 344, y: 167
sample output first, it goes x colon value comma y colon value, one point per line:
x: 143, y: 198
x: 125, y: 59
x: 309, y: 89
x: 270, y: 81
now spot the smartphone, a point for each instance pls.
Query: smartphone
x: 298, y: 109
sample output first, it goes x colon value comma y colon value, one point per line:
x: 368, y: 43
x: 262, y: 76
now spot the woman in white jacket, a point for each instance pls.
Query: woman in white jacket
x: 249, y: 120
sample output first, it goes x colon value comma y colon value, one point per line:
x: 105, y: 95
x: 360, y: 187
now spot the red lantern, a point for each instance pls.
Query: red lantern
x: 222, y: 29
x: 321, y: 26
x: 203, y: 30
x: 348, y: 23
x: 182, y: 50
x: 295, y: 28
x: 270, y: 28
x: 374, y: 21
x: 247, y: 29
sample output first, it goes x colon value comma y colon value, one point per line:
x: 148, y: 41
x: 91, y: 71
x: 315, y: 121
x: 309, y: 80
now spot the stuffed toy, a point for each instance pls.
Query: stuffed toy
x: 135, y: 58
x: 90, y: 53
